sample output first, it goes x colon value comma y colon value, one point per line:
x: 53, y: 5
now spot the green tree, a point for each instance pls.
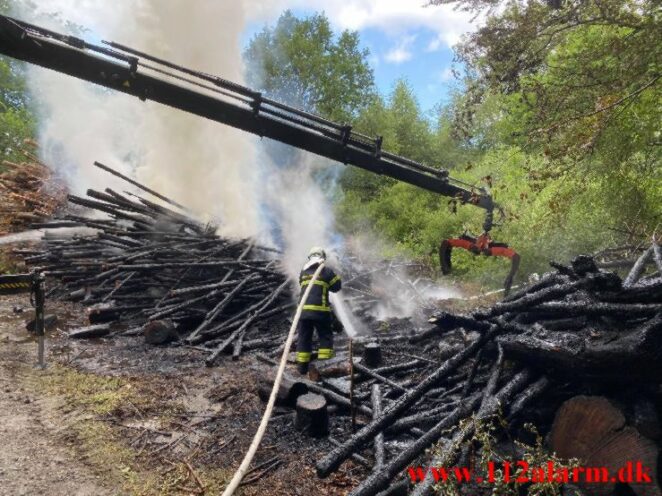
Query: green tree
x: 16, y: 119
x: 579, y: 73
x: 414, y: 220
x: 575, y: 84
x: 303, y: 63
x: 405, y: 131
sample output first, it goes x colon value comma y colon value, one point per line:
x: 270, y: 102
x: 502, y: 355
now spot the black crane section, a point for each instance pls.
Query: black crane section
x: 135, y: 73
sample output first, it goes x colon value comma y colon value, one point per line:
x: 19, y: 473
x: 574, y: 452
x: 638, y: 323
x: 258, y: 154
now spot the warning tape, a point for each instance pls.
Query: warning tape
x: 15, y: 285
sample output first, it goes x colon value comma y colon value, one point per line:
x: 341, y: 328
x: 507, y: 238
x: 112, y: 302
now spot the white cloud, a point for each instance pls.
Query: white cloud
x: 402, y: 51
x: 394, y: 17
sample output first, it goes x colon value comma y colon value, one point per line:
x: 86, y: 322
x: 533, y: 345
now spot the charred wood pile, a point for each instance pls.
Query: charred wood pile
x: 143, y: 267
x: 28, y: 193
x: 578, y: 354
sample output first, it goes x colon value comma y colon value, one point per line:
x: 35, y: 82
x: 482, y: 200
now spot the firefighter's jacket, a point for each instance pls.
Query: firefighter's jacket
x: 317, y: 305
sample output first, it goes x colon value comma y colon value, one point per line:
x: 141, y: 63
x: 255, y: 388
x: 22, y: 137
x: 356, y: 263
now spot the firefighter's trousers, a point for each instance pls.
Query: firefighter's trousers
x: 305, y: 340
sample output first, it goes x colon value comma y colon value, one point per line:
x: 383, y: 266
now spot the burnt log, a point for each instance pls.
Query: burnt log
x: 90, y: 332
x: 399, y: 367
x: 289, y: 391
x: 336, y: 398
x: 214, y: 312
x: 547, y: 280
x: 378, y: 481
x: 49, y: 322
x: 634, y: 357
x: 356, y: 457
x: 596, y: 309
x: 98, y: 314
x: 262, y: 306
x: 371, y: 373
x: 638, y: 268
x: 376, y: 398
x: 527, y: 396
x: 472, y: 375
x: 333, y: 459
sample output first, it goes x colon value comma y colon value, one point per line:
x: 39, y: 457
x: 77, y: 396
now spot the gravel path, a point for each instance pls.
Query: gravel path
x: 33, y: 458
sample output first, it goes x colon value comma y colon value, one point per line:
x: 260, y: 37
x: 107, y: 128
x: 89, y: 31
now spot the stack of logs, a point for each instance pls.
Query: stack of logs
x: 534, y: 357
x: 156, y: 270
x: 28, y: 193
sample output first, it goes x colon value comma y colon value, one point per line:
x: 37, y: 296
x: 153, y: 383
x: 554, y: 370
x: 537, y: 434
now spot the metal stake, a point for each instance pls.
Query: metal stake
x: 351, y: 384
x: 39, y: 297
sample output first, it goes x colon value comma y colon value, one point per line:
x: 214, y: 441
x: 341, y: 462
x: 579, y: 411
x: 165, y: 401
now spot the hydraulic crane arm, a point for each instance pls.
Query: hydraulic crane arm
x: 148, y: 78
x: 135, y: 73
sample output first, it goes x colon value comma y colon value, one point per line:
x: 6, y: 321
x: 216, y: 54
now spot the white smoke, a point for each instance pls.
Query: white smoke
x: 209, y: 167
x: 213, y: 169
x: 301, y: 209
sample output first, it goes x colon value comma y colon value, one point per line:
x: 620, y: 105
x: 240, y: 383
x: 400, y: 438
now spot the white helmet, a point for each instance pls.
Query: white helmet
x: 317, y: 252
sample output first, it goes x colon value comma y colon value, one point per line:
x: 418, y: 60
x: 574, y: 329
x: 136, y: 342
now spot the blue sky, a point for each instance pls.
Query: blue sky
x: 405, y: 39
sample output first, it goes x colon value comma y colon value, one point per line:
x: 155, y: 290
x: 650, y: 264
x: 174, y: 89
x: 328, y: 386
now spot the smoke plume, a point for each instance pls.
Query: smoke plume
x: 218, y: 172
x: 209, y: 167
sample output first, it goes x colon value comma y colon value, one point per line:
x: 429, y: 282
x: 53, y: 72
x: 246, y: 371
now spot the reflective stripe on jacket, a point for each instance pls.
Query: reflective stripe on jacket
x: 317, y: 305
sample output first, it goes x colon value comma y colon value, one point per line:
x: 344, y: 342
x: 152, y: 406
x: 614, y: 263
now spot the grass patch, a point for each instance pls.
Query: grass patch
x: 100, y: 444
x: 95, y: 394
x: 106, y: 447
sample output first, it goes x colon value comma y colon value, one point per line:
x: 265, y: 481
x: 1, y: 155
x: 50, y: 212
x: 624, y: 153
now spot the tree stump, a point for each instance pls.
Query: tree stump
x: 593, y: 430
x: 372, y: 355
x: 159, y: 332
x: 312, y: 415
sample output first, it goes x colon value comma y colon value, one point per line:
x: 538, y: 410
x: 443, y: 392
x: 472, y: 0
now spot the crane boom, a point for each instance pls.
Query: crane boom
x: 126, y: 70
x: 129, y: 71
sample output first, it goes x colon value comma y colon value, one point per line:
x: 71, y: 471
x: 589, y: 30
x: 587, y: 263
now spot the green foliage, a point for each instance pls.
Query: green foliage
x: 585, y: 76
x: 16, y: 121
x: 302, y: 62
x: 561, y: 109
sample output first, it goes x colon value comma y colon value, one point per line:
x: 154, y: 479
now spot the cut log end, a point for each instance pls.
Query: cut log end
x: 312, y: 416
x: 159, y: 332
x: 372, y: 355
x: 289, y: 391
x: 594, y: 430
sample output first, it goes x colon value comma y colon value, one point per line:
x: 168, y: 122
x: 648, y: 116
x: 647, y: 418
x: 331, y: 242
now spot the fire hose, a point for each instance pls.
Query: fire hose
x: 248, y: 458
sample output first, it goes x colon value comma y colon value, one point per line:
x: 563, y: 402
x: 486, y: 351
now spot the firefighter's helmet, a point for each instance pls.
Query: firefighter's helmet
x: 317, y: 252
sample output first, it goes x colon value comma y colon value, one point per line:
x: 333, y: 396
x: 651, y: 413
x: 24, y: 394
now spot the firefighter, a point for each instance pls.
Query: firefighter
x: 316, y: 313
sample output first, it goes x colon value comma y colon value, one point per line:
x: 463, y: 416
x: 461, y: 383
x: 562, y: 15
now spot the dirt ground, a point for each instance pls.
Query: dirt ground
x: 117, y: 416
x: 34, y: 459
